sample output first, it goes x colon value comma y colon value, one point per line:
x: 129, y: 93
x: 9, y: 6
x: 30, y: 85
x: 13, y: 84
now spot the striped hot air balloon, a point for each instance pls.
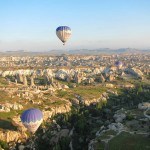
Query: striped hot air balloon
x: 63, y: 33
x: 31, y: 119
x: 118, y: 64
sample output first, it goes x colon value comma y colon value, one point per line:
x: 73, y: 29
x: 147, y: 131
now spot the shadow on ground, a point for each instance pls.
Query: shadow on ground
x: 7, y: 125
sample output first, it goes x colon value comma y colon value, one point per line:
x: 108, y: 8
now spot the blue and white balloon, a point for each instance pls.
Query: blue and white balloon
x: 118, y: 64
x: 63, y: 33
x: 32, y: 119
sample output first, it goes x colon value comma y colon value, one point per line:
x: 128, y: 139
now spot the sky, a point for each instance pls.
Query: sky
x: 31, y: 24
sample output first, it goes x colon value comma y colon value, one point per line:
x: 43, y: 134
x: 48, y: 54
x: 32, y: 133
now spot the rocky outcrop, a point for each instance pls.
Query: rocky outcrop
x: 61, y: 74
x: 91, y: 145
x: 59, y: 135
x: 118, y: 127
x: 111, y: 77
x: 144, y: 106
x: 135, y: 72
x: 102, y: 98
x: 12, y: 136
x: 55, y: 110
x: 25, y: 83
x: 78, y: 77
x: 119, y: 116
x: 16, y: 121
x: 7, y: 106
x: 32, y: 81
x: 16, y: 106
x: 19, y: 78
x: 65, y: 86
x: 75, y: 101
x: 4, y: 108
x: 102, y: 79
x: 109, y: 85
x: 89, y: 80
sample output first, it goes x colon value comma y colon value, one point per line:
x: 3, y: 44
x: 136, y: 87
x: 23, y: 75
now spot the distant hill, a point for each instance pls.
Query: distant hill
x: 75, y: 52
x: 100, y: 51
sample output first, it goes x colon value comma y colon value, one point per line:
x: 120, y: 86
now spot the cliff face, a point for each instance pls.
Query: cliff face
x: 50, y: 72
x: 8, y: 106
x: 55, y: 110
x: 9, y: 136
x: 102, y: 98
x: 94, y: 101
x: 16, y: 121
x: 14, y: 136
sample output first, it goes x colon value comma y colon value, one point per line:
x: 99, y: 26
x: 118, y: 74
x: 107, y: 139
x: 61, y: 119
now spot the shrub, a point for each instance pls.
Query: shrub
x: 61, y: 93
x: 129, y: 116
x: 4, y: 145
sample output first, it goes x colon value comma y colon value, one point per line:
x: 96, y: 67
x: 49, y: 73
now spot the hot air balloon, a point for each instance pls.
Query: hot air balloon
x: 31, y: 119
x: 63, y: 33
x: 118, y: 64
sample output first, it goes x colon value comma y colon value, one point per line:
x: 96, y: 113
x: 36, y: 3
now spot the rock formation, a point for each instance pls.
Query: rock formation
x: 25, y: 83
x: 19, y: 78
x: 78, y: 77
x: 10, y: 136
x: 32, y: 81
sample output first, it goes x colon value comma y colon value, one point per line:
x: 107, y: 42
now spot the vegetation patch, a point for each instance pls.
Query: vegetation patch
x: 126, y: 141
x: 4, y: 96
x: 3, y: 81
x: 7, y: 115
x: 107, y: 134
x: 61, y: 93
x: 87, y: 92
x: 3, y: 145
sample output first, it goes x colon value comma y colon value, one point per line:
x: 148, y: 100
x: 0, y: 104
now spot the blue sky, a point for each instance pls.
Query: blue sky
x: 31, y: 24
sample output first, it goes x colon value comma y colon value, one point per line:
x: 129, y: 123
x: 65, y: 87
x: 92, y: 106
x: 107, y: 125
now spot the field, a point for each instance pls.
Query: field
x: 126, y: 141
x: 87, y: 92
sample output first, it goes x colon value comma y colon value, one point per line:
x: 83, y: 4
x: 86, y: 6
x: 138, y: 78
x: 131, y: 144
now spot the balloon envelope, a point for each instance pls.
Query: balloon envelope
x: 118, y: 64
x: 63, y: 33
x: 32, y: 118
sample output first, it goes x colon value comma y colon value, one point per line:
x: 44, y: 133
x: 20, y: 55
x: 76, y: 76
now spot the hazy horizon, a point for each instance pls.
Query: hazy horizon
x: 30, y: 24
